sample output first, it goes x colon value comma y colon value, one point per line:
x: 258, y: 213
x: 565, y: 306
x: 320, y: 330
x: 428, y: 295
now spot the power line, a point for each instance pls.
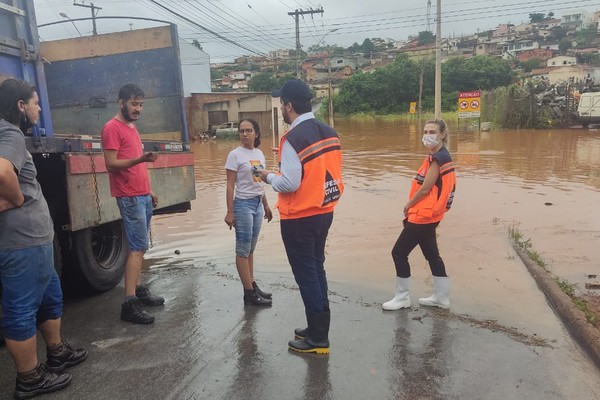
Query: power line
x: 206, y: 29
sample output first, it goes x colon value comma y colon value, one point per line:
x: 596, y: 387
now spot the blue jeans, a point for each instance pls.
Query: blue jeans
x: 31, y: 293
x: 136, y: 212
x: 248, y: 214
x: 304, y: 240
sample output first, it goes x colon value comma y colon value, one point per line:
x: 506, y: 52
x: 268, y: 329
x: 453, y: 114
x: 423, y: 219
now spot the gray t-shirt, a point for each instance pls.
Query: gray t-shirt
x: 31, y: 224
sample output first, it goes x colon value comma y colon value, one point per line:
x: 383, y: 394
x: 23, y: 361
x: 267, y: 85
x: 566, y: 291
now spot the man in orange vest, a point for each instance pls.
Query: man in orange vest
x: 309, y: 184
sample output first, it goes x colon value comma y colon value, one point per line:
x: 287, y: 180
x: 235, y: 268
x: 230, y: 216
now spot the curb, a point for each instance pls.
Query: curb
x: 586, y: 335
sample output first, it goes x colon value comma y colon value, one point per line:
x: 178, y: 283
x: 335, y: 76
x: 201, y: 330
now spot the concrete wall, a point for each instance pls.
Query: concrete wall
x: 234, y: 106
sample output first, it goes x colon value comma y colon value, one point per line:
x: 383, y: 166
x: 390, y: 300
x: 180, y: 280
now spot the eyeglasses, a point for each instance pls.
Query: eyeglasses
x: 248, y: 131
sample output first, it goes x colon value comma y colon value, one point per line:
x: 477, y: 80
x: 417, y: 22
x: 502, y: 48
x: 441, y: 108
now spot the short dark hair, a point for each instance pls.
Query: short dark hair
x: 11, y: 92
x: 256, y: 130
x: 299, y: 108
x: 131, y: 91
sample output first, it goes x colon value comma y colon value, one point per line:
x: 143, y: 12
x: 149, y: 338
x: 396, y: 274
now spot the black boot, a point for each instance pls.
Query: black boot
x: 252, y: 298
x: 39, y: 381
x: 63, y: 355
x: 143, y: 293
x: 262, y: 294
x: 132, y: 311
x: 317, y: 340
x: 300, y: 333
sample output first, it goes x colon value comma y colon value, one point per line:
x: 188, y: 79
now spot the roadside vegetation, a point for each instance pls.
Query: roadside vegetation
x: 590, y: 309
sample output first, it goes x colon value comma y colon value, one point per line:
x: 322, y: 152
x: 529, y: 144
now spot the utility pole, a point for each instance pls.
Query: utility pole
x: 438, y: 60
x: 94, y: 13
x: 296, y: 13
x: 331, y: 122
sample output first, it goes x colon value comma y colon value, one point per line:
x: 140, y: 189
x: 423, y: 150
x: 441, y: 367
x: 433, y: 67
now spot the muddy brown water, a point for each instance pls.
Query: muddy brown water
x: 545, y: 182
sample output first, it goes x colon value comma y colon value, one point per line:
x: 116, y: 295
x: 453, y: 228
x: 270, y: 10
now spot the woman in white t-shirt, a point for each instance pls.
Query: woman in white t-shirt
x: 247, y: 206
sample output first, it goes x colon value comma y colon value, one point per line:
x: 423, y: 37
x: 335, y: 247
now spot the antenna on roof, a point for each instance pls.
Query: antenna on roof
x: 428, y: 15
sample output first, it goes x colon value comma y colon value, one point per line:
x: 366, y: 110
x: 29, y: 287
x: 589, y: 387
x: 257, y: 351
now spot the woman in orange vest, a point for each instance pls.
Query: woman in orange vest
x: 431, y: 195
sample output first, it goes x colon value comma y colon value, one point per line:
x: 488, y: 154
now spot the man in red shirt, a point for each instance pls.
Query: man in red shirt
x: 130, y: 184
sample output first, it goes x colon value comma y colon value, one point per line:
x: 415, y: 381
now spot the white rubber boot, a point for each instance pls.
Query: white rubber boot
x: 401, y: 299
x: 441, y: 293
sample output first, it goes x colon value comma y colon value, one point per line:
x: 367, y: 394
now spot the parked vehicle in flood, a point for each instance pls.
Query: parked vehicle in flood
x: 588, y: 111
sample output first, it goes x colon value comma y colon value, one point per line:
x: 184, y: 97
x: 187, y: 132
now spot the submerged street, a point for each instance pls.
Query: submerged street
x: 499, y: 340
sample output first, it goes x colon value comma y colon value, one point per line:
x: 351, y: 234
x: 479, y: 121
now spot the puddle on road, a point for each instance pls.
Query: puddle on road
x: 544, y: 182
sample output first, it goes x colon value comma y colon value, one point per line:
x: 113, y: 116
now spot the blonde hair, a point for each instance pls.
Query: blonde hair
x: 443, y: 128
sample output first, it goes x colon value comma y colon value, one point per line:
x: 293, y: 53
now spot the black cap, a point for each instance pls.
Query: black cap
x: 295, y: 91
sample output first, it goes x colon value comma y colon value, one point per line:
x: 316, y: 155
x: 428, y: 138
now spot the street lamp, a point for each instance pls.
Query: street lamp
x: 62, y: 14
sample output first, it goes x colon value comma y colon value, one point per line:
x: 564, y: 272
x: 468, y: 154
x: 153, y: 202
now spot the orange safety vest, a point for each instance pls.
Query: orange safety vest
x: 432, y: 207
x: 319, y: 150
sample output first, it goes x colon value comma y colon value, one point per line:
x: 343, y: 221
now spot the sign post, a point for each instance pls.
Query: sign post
x: 469, y: 105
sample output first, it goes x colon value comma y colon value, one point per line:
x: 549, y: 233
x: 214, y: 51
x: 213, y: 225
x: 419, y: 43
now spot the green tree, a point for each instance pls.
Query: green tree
x: 558, y: 32
x: 367, y: 47
x: 355, y: 48
x: 591, y: 59
x: 531, y: 64
x: 266, y: 82
x: 216, y: 74
x: 476, y: 73
x: 536, y: 17
x: 389, y: 89
x: 426, y: 37
x: 586, y: 35
x: 564, y: 45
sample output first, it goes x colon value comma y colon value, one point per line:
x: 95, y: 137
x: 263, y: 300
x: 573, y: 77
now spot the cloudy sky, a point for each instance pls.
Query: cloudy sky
x: 230, y: 28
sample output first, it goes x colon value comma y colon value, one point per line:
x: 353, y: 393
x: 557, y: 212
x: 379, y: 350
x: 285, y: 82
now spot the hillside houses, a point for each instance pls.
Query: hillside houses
x: 563, y: 46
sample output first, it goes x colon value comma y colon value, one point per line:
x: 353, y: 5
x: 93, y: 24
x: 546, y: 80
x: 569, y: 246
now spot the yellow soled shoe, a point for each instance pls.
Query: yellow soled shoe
x: 306, y: 345
x: 315, y: 338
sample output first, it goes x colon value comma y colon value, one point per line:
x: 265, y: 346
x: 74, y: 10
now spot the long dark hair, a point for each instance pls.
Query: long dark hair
x: 256, y: 130
x: 11, y: 92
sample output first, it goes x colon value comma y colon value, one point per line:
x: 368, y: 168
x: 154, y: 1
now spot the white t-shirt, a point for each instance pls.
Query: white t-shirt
x: 241, y: 160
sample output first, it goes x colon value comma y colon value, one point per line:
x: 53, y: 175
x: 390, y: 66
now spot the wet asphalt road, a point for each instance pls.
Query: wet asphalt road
x: 206, y: 345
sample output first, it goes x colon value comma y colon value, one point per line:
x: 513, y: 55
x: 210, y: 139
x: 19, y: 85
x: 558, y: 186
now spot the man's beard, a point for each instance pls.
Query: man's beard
x: 25, y: 123
x: 126, y: 114
x: 286, y: 117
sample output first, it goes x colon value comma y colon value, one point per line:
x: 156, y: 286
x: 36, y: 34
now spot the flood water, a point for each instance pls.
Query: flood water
x: 545, y: 182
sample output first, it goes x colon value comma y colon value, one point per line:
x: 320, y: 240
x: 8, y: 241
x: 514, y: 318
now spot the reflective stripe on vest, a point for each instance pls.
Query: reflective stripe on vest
x: 439, y: 199
x: 321, y: 187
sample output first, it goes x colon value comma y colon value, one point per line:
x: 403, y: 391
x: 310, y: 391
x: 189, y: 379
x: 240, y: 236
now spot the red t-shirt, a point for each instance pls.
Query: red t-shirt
x: 133, y: 181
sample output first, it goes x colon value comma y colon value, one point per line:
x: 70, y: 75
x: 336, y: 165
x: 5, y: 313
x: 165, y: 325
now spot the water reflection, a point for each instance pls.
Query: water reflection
x: 557, y: 157
x: 418, y: 358
x: 249, y: 368
x: 317, y: 385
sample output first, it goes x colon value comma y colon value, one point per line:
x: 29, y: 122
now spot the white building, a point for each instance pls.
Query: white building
x: 195, y: 69
x: 577, y: 20
x: 561, y: 61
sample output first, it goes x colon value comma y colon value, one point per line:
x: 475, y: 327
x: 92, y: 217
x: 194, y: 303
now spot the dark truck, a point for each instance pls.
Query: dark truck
x: 78, y: 82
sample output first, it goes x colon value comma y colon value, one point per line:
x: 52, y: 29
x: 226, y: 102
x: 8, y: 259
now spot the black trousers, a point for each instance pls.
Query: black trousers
x: 304, y: 240
x: 423, y: 235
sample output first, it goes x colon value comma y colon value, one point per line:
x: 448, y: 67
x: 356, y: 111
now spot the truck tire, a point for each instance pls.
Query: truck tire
x: 99, y: 255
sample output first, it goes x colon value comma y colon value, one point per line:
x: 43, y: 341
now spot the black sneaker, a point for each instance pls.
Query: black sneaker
x: 132, y: 311
x: 39, y: 381
x: 63, y: 355
x: 143, y: 293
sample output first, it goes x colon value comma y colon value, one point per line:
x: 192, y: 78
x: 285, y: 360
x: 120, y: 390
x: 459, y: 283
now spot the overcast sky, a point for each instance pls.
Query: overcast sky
x: 230, y: 28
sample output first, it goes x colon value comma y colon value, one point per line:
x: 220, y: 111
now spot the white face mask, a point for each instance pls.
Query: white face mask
x: 430, y: 140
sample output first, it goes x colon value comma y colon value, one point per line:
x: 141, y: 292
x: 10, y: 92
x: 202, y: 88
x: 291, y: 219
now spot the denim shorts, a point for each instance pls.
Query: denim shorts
x: 136, y: 212
x: 248, y: 214
x: 31, y: 293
